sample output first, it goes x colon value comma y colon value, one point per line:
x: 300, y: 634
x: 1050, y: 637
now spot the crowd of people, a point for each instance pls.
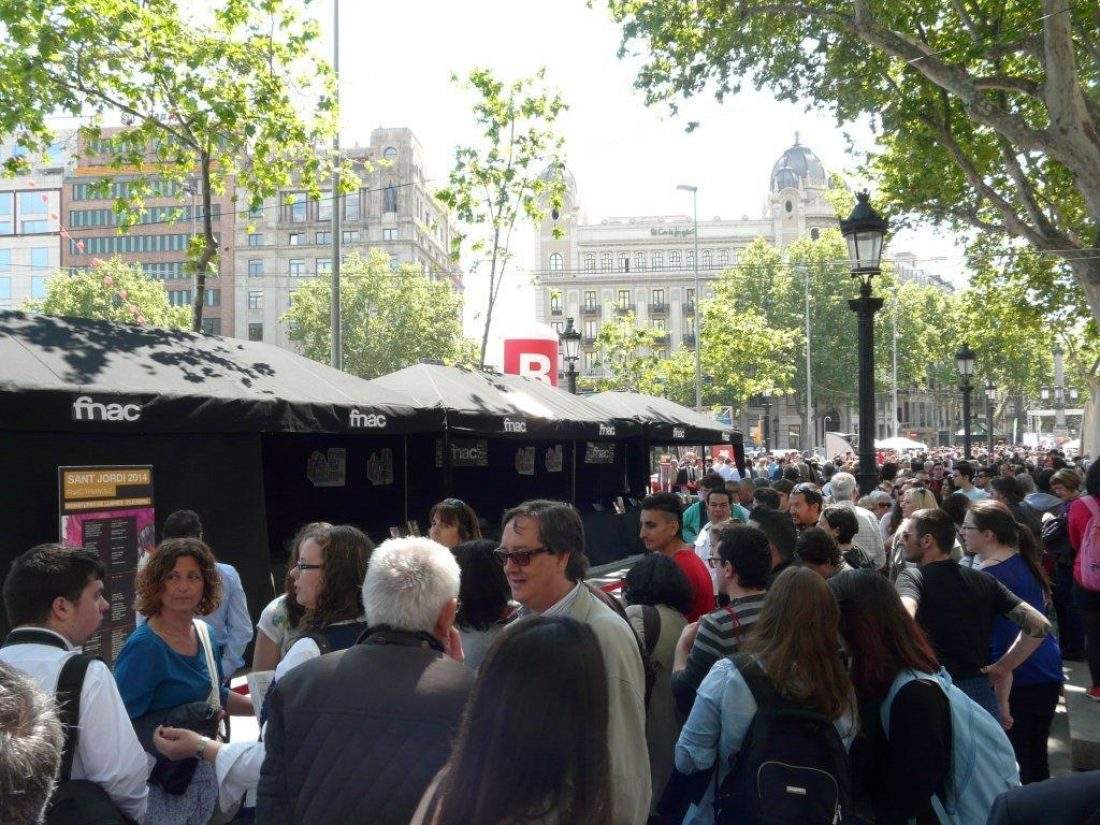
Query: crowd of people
x: 789, y: 648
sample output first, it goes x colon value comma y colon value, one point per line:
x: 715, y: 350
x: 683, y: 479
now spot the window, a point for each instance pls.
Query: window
x: 557, y: 262
x: 5, y: 260
x: 555, y: 302
x: 590, y: 299
x: 179, y: 297
x: 255, y: 332
x: 256, y: 212
x: 255, y: 266
x: 639, y: 262
x: 389, y: 153
x: 213, y: 298
x: 591, y: 330
x: 689, y: 260
x: 297, y: 266
x: 659, y: 324
x: 815, y: 233
x: 352, y: 209
x: 324, y: 207
x: 689, y: 325
x: 38, y: 286
x: 297, y: 238
x: 349, y: 236
x: 389, y: 199
x: 389, y: 234
x: 40, y: 257
x: 296, y: 208
x: 723, y: 257
x: 658, y: 260
x: 5, y: 288
x: 324, y: 266
x: 255, y: 300
x: 255, y: 239
x: 589, y: 263
x: 164, y: 269
x: 559, y: 327
x: 658, y: 297
x: 624, y: 299
x: 605, y: 262
x: 707, y: 260
x: 33, y: 211
x: 690, y: 299
x: 323, y: 238
x: 788, y: 206
x: 588, y: 361
x: 394, y: 263
x: 674, y: 260
x: 624, y: 263
x: 7, y: 224
x: 211, y: 326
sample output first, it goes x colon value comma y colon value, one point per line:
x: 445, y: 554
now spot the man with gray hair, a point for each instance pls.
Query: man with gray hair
x: 845, y: 491
x: 31, y: 755
x: 356, y: 736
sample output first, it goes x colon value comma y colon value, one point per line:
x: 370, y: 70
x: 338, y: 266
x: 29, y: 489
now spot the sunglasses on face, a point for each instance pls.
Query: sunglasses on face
x: 522, y: 558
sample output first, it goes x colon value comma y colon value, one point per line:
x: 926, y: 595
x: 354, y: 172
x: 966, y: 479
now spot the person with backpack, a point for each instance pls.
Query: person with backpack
x: 1065, y: 486
x: 770, y: 728
x: 658, y: 599
x: 53, y: 597
x: 1084, y: 536
x: 927, y: 753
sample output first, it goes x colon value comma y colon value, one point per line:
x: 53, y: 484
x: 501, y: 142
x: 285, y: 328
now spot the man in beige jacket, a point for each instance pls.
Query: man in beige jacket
x: 542, y: 550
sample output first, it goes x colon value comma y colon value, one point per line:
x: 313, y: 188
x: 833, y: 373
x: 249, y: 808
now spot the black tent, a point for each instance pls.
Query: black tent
x: 202, y: 411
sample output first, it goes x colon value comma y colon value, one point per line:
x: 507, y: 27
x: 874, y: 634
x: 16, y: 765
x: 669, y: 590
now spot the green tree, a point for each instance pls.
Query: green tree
x: 392, y: 318
x: 987, y: 112
x: 514, y: 170
x: 111, y: 291
x: 232, y: 96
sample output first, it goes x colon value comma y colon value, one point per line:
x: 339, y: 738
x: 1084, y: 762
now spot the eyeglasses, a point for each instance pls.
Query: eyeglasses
x: 714, y: 561
x: 303, y: 567
x: 965, y: 526
x: 805, y: 487
x: 522, y: 558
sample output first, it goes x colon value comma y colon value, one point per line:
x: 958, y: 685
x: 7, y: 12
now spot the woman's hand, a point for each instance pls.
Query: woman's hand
x: 176, y: 743
x: 684, y: 645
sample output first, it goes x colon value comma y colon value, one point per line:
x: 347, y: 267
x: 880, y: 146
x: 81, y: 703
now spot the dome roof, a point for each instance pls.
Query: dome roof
x: 798, y: 166
x: 570, y: 182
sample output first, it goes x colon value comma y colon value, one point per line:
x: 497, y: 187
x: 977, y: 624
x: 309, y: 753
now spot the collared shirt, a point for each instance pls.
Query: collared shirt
x: 560, y: 607
x: 230, y: 622
x: 702, y: 550
x: 108, y: 752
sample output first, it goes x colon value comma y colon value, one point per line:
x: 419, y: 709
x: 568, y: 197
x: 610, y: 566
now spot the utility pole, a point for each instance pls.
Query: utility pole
x: 337, y: 336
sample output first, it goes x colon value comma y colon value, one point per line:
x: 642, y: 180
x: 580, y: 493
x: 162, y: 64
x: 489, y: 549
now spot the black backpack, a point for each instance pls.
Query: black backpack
x: 792, y: 767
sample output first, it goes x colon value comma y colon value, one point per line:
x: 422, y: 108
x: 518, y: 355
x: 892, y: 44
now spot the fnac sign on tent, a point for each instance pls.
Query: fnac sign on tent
x: 85, y: 408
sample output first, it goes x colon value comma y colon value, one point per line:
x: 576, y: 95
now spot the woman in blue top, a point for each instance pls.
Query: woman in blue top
x: 1009, y: 554
x: 795, y: 642
x: 163, y: 663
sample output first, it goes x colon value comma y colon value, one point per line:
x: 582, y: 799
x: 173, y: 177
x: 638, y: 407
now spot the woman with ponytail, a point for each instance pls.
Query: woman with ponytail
x: 1009, y: 553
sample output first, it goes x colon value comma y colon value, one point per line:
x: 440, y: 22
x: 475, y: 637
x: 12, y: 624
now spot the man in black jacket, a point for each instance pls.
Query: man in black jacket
x: 356, y: 736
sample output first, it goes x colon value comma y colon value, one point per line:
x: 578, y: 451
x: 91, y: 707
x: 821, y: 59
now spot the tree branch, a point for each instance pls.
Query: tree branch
x: 1005, y: 83
x: 967, y: 20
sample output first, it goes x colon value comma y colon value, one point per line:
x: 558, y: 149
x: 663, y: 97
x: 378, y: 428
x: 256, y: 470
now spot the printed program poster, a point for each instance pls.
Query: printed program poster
x: 109, y: 510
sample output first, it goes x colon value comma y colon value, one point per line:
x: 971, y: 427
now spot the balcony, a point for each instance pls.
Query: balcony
x: 688, y: 307
x: 662, y: 340
x: 589, y: 340
x: 623, y: 309
x: 658, y: 309
x: 689, y: 339
x: 590, y: 309
x: 556, y: 311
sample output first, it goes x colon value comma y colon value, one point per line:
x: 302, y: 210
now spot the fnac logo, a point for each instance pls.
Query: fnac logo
x: 86, y: 409
x: 371, y: 421
x: 607, y: 429
x: 512, y: 425
x: 679, y: 433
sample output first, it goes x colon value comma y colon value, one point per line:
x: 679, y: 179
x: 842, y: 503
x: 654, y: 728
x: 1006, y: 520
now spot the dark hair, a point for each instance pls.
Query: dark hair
x: 779, y: 530
x: 533, y: 740
x: 888, y: 471
x: 722, y: 492
x: 843, y: 520
x: 956, y: 505
x: 811, y: 492
x: 182, y: 524
x: 483, y: 588
x: 766, y: 497
x: 457, y: 513
x: 1008, y: 487
x: 657, y: 579
x: 44, y: 573
x: 345, y: 551
x: 998, y: 519
x: 783, y: 485
x: 746, y: 549
x: 666, y: 503
x: 815, y: 546
x: 316, y: 530
x: 965, y: 468
x: 712, y: 481
x: 937, y: 524
x: 791, y: 473
x: 560, y: 531
x: 882, y: 637
x: 1092, y: 478
x: 151, y: 578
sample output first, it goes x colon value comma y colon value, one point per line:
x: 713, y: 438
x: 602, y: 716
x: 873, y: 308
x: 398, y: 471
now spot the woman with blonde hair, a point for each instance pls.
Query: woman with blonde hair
x: 793, y: 656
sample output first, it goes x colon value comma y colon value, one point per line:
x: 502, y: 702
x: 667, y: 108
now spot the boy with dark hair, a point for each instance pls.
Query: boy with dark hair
x: 660, y: 533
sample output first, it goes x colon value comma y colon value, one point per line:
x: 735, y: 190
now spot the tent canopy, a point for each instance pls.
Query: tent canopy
x: 481, y: 402
x: 900, y: 443
x: 75, y: 374
x: 666, y: 421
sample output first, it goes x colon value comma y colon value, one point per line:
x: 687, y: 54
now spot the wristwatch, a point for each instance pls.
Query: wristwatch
x: 201, y: 749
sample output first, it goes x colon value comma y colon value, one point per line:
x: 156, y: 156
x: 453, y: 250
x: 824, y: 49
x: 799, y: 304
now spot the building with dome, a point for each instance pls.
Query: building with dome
x: 645, y: 264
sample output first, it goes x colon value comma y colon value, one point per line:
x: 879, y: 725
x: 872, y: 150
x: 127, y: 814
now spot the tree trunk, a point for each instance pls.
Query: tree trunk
x: 1090, y: 421
x: 209, y: 249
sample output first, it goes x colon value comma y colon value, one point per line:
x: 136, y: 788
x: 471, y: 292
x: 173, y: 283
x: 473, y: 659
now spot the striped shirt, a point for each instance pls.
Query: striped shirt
x: 721, y: 634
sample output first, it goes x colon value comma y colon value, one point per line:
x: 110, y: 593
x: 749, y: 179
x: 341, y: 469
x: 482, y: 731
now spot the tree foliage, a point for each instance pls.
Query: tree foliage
x: 111, y: 290
x: 232, y: 96
x: 391, y: 318
x: 988, y: 113
x: 515, y: 170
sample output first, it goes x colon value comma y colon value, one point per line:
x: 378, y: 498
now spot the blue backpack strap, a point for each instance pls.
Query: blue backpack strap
x: 903, y: 678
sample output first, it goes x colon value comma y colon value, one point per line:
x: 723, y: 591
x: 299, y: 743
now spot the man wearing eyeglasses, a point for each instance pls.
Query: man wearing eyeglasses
x: 542, y: 552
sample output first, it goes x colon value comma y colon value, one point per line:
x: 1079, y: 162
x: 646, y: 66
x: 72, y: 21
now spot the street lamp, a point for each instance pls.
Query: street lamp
x: 570, y: 339
x: 990, y: 399
x: 698, y: 295
x: 767, y: 413
x: 864, y: 230
x: 964, y: 361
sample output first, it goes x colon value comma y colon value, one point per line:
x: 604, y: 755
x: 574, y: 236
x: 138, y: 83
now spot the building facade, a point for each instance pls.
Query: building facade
x: 30, y: 223
x: 290, y: 237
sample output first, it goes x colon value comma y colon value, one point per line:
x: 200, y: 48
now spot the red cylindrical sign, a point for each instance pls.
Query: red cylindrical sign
x: 533, y: 357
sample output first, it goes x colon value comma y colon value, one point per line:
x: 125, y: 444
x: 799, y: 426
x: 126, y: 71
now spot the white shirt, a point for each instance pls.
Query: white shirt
x: 702, y: 550
x: 108, y: 752
x: 728, y: 472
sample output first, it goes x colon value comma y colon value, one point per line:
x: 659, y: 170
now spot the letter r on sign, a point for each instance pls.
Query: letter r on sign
x: 534, y: 365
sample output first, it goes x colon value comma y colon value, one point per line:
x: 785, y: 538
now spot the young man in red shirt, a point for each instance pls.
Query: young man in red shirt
x: 661, y: 523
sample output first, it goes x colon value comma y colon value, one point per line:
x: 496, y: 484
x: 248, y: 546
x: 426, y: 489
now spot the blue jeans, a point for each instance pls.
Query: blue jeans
x: 980, y: 690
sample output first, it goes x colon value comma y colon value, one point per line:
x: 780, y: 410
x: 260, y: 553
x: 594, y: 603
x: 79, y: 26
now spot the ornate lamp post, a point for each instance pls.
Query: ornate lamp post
x: 990, y: 400
x: 570, y: 339
x: 767, y: 414
x: 964, y: 361
x: 864, y: 230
